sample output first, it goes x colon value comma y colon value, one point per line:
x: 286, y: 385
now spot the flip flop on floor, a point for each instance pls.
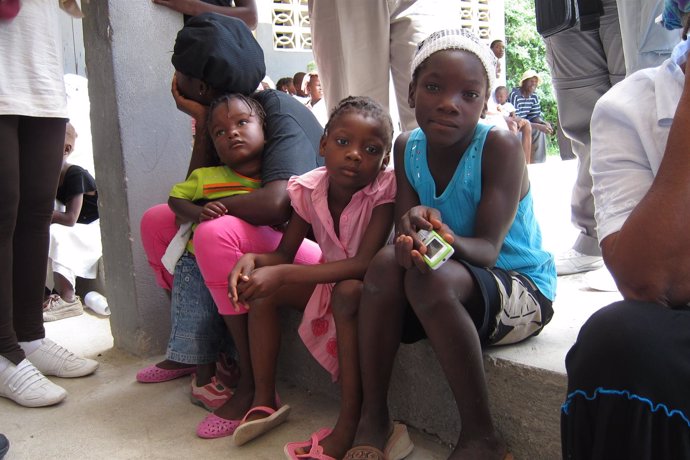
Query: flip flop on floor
x: 315, y: 451
x: 364, y: 453
x: 250, y: 430
x: 399, y: 444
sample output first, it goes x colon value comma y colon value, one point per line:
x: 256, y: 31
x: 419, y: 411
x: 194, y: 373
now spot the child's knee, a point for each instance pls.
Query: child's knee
x: 345, y: 298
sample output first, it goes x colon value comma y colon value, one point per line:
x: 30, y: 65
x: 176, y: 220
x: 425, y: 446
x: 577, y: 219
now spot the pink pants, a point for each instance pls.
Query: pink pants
x: 218, y: 245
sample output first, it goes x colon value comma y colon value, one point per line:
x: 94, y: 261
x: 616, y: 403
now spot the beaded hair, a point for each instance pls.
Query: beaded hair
x: 367, y: 106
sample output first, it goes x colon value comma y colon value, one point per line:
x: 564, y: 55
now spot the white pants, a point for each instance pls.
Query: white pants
x: 357, y: 44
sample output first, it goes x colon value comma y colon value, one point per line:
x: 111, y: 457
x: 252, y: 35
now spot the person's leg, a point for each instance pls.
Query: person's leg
x: 40, y: 156
x: 32, y: 152
x: 9, y: 190
x: 264, y: 339
x: 218, y: 245
x: 584, y: 65
x: 444, y: 302
x: 158, y: 228
x: 351, y: 48
x: 379, y: 327
x: 221, y: 242
x: 538, y: 154
x: 196, y: 327
x: 63, y: 286
x: 631, y: 364
x: 411, y: 22
x: 526, y: 140
x: 345, y: 304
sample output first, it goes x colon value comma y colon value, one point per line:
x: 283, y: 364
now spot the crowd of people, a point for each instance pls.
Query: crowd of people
x: 292, y: 200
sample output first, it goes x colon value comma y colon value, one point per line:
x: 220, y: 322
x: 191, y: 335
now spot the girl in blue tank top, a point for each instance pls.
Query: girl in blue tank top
x: 469, y: 183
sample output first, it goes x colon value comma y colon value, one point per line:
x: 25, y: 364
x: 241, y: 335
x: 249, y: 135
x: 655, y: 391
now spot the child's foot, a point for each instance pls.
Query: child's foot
x: 225, y: 420
x: 210, y: 396
x: 331, y: 444
x: 490, y: 448
x: 164, y: 371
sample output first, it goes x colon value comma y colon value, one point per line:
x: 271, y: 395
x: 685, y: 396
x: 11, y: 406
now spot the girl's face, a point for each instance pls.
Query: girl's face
x: 238, y: 136
x: 355, y: 150
x: 448, y: 95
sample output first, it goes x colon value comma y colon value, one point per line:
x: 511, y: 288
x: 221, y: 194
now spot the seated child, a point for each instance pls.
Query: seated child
x: 469, y: 183
x: 516, y: 124
x: 236, y: 128
x: 75, y: 236
x: 349, y: 206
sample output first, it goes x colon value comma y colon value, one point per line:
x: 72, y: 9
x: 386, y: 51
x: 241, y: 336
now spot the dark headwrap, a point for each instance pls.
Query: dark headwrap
x: 221, y: 51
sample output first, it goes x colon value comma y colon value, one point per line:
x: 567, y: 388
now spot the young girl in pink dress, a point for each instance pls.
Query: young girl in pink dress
x: 349, y: 206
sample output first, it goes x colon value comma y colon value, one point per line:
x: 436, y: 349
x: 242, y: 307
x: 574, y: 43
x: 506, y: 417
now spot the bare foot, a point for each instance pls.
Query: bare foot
x: 237, y: 406
x: 492, y: 448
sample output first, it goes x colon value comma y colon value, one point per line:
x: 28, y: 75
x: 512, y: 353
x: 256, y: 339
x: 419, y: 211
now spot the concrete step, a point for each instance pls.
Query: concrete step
x: 526, y: 382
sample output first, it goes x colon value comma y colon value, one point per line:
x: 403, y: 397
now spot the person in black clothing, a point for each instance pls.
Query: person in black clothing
x: 75, y: 237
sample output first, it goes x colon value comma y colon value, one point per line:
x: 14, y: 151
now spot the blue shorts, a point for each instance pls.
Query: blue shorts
x: 198, y: 333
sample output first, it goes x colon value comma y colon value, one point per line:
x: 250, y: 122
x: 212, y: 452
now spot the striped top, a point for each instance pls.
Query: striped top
x: 528, y: 108
x: 213, y: 183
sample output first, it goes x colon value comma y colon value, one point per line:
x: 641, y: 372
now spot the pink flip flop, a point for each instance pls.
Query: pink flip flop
x: 255, y: 428
x: 155, y: 374
x: 215, y: 427
x: 314, y: 445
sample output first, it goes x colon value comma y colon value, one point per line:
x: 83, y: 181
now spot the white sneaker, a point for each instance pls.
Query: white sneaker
x: 52, y: 359
x: 55, y: 308
x: 572, y: 261
x: 25, y: 385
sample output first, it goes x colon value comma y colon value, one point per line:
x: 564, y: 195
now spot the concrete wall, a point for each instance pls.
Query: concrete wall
x: 280, y: 64
x: 141, y: 145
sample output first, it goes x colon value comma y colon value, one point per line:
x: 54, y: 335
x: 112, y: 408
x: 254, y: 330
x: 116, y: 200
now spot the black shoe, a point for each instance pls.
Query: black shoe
x: 4, y: 446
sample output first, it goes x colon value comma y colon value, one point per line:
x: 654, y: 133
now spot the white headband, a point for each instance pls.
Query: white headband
x: 459, y: 39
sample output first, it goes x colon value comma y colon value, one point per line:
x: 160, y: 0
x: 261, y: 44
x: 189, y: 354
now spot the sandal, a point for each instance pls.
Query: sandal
x: 213, y: 427
x: 364, y: 453
x: 155, y: 374
x: 314, y: 445
x: 255, y: 428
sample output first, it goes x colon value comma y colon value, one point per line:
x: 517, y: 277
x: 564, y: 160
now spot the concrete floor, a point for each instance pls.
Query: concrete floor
x: 110, y: 415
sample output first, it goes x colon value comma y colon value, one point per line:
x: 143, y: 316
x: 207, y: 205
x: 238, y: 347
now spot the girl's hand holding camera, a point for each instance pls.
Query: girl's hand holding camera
x: 409, y: 247
x: 212, y: 210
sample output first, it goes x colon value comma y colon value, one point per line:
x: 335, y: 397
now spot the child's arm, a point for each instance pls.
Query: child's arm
x: 185, y: 210
x: 504, y: 183
x: 241, y: 287
x: 266, y: 280
x: 71, y: 214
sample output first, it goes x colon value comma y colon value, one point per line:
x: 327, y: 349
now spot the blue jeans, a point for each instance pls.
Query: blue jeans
x: 198, y: 333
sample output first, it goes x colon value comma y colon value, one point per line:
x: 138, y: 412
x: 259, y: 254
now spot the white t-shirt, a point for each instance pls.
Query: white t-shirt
x: 31, y: 65
x: 630, y: 127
